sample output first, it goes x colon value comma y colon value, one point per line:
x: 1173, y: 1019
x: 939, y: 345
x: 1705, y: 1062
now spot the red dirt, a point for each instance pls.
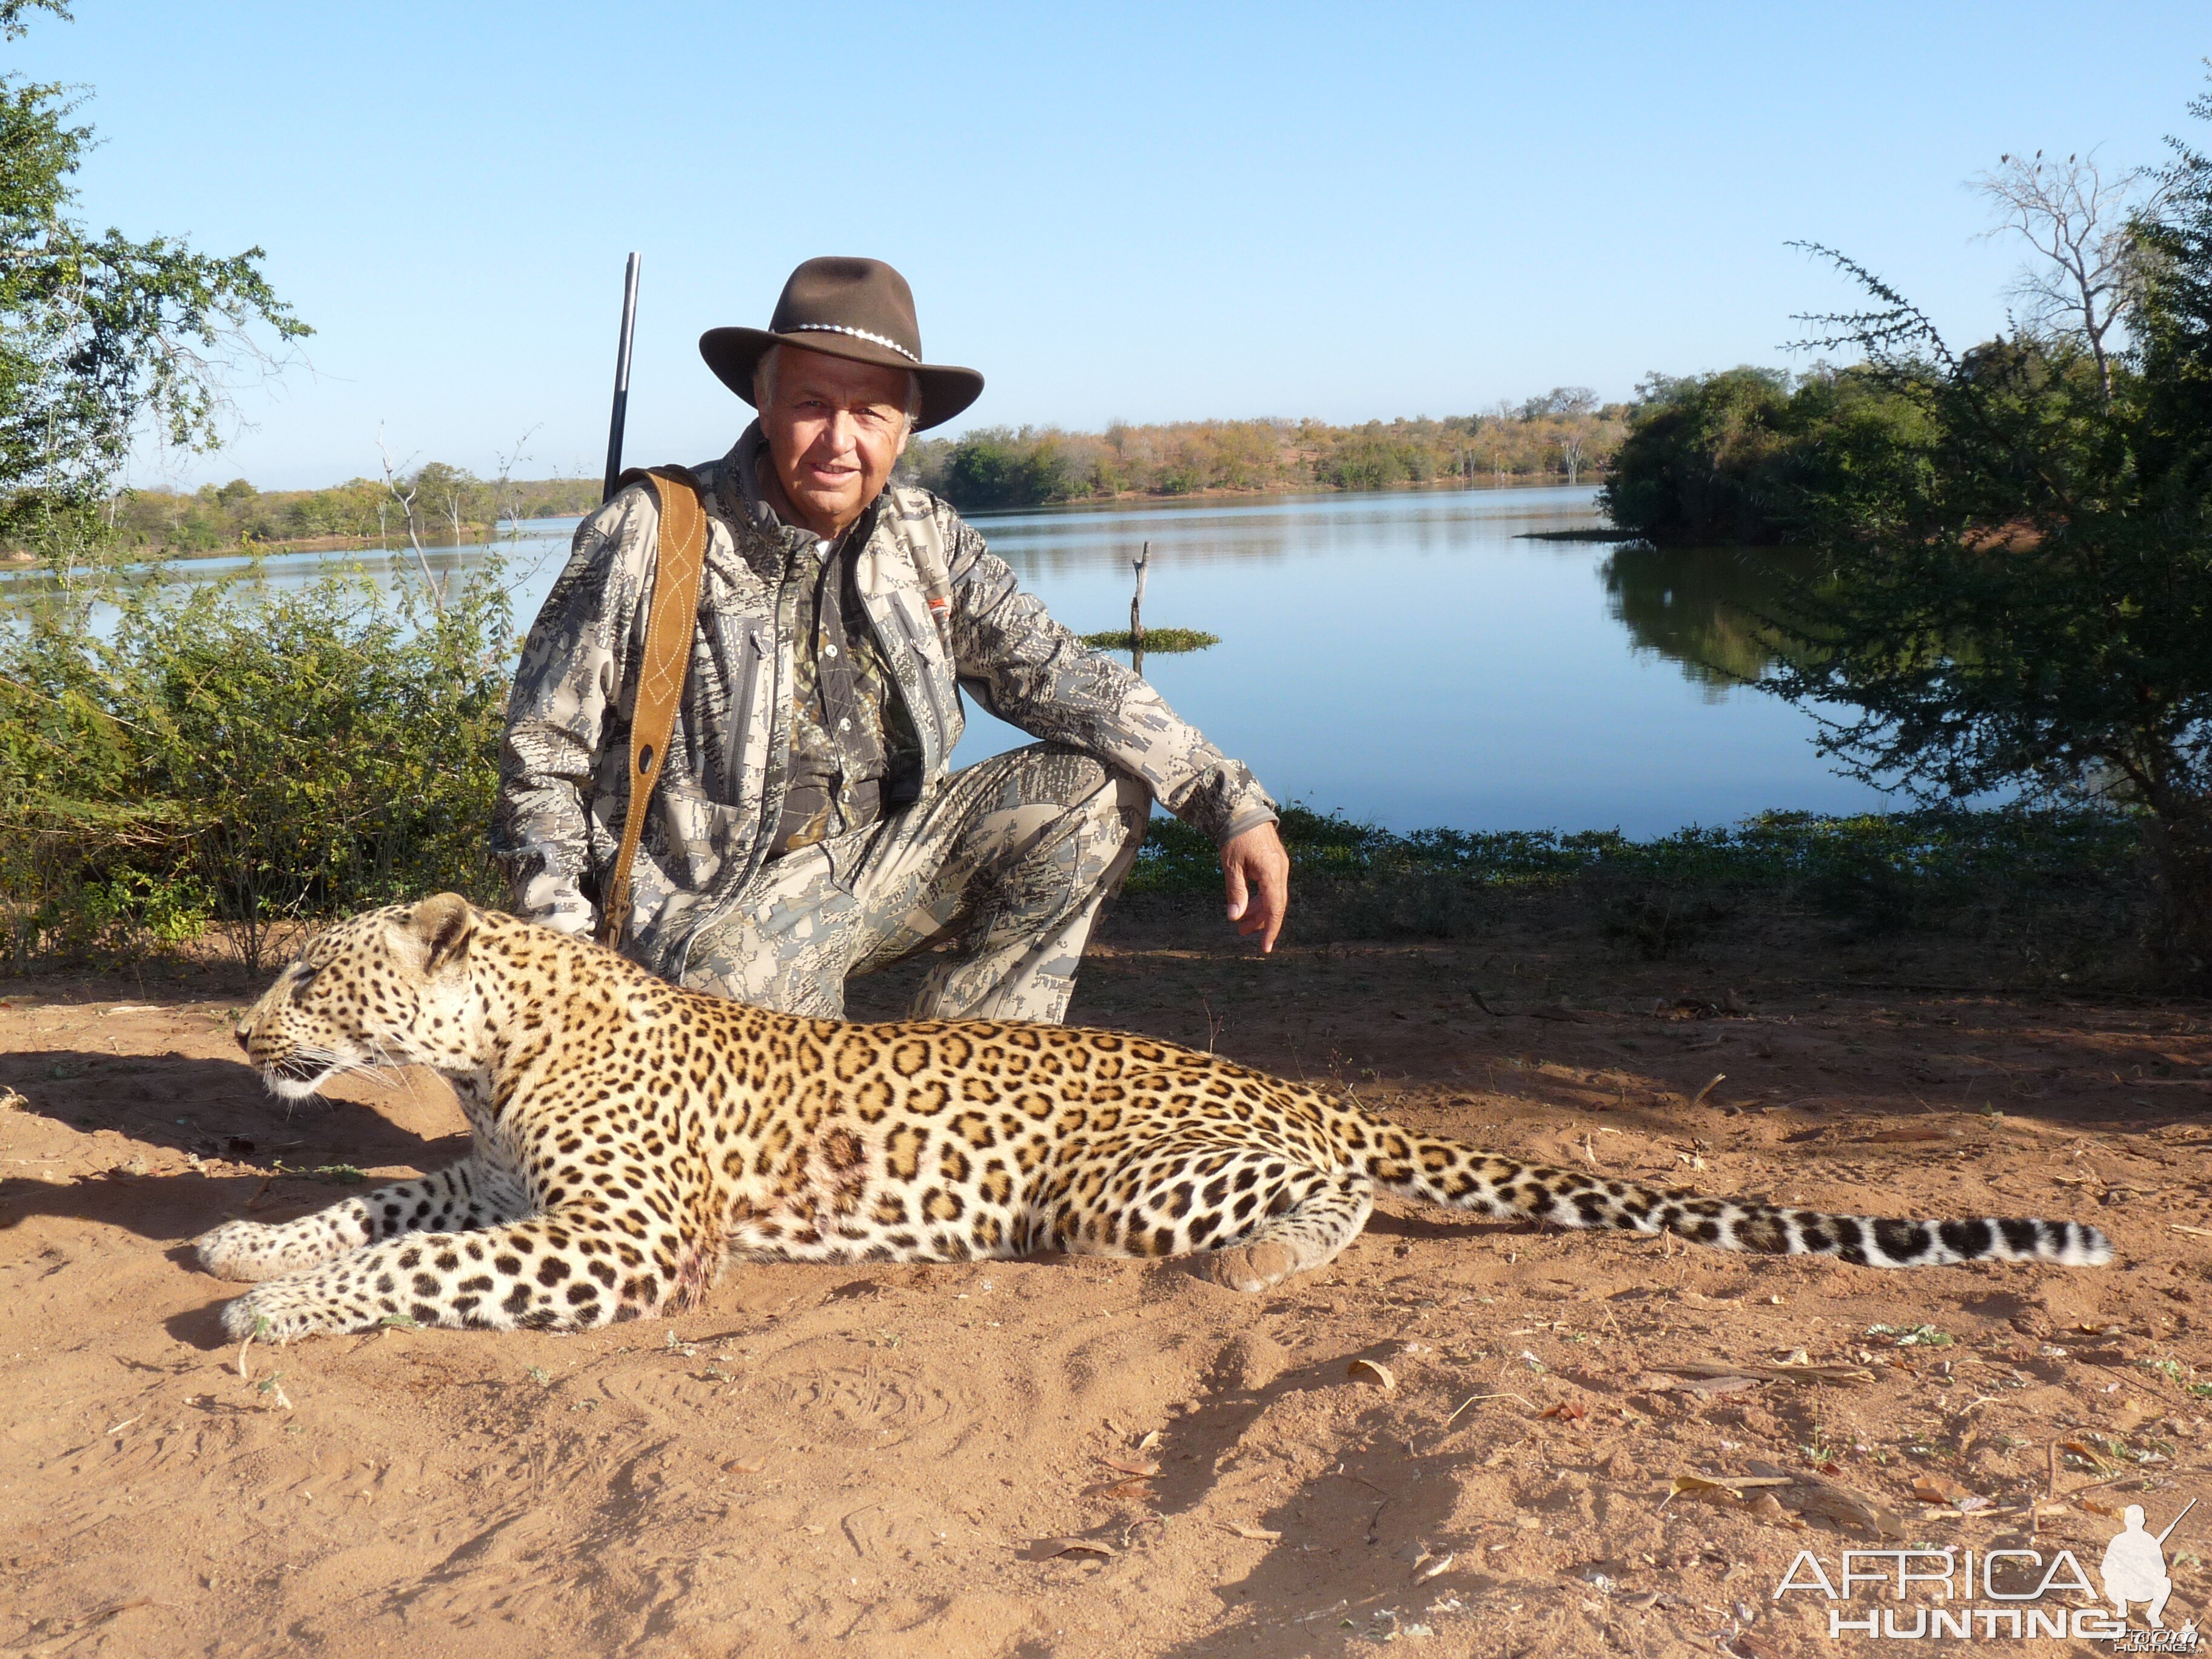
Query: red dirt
x: 953, y: 1460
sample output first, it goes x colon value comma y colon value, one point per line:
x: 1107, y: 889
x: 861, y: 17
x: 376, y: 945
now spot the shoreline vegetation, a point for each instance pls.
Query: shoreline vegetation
x: 231, y: 765
x: 1562, y: 437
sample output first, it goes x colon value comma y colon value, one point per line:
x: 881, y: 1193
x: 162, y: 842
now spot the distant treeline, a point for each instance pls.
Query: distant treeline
x: 1565, y: 435
x: 450, y: 505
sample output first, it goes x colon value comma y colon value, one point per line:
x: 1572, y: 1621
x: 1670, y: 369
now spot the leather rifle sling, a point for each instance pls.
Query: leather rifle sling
x: 669, y: 624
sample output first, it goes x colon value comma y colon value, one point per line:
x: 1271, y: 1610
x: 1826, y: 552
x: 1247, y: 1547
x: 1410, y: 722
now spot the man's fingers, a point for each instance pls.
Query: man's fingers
x: 1267, y: 912
x: 1232, y: 884
x: 1274, y: 899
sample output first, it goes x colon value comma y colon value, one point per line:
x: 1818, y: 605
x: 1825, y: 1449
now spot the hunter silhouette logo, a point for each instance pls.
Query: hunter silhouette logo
x: 2134, y: 1567
x: 2003, y: 1594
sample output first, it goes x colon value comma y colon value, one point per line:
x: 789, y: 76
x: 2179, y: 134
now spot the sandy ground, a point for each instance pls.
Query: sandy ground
x: 1106, y: 1458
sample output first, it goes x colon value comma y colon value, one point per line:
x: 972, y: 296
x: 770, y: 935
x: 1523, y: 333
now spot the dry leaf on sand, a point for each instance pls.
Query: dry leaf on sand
x: 1938, y: 1489
x: 1261, y: 1533
x: 1566, y: 1411
x: 1735, y: 1486
x: 1367, y: 1371
x: 1143, y: 1471
x: 1050, y: 1546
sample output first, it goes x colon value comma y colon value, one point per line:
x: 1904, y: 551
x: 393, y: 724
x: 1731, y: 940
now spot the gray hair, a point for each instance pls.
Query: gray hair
x: 765, y: 384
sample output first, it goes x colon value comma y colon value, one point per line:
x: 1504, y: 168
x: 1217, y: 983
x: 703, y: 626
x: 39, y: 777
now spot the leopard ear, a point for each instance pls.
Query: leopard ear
x: 443, y: 924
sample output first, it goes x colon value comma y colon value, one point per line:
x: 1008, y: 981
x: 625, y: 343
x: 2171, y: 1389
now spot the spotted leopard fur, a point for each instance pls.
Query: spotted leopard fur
x: 630, y: 1136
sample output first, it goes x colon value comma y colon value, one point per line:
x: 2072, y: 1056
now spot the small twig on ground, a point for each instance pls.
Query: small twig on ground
x: 1471, y: 1399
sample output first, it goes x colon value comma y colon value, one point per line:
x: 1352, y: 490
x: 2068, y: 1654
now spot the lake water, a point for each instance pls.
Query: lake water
x: 1400, y: 657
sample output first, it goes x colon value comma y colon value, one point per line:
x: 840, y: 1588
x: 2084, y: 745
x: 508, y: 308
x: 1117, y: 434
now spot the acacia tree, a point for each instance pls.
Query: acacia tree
x: 102, y: 339
x: 2026, y: 598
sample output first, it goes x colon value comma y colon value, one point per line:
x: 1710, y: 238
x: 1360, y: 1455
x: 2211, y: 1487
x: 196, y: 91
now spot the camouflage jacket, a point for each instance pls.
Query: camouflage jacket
x: 948, y: 616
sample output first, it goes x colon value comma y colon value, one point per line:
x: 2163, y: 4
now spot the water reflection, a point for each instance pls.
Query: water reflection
x: 1702, y: 608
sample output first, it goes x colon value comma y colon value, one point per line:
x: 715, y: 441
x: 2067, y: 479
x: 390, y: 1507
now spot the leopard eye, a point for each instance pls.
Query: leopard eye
x: 307, y: 978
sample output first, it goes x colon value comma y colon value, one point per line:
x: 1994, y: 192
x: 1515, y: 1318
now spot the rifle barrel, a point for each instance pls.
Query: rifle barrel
x: 2177, y: 1521
x: 621, y: 379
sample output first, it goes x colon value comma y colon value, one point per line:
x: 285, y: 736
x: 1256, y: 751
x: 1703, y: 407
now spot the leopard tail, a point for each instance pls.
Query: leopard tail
x: 1460, y: 1177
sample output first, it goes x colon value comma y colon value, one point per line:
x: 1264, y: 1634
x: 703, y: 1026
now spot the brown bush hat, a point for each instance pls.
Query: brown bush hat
x: 858, y: 309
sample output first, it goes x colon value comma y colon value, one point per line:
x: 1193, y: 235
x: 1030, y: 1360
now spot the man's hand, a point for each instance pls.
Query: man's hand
x: 1255, y: 874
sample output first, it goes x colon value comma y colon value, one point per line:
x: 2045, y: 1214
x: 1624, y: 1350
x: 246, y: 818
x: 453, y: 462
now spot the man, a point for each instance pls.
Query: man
x: 807, y: 825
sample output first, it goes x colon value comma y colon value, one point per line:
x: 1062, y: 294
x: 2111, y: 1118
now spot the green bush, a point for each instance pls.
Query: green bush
x: 1158, y: 641
x: 1935, y: 870
x: 234, y: 754
x: 997, y: 467
x: 1746, y: 458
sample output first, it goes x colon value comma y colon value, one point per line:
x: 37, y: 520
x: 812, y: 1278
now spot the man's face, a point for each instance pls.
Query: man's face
x: 835, y: 428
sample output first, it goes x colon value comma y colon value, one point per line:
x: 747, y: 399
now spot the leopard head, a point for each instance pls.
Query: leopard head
x: 389, y: 988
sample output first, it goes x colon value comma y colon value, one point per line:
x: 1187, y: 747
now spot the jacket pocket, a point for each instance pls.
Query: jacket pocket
x: 744, y: 747
x: 933, y: 668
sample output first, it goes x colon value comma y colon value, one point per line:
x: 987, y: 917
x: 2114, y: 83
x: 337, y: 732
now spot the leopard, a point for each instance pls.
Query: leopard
x: 630, y: 1137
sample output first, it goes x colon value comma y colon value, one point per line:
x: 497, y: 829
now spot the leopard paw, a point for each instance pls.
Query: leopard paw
x: 279, y: 1312
x: 249, y: 1252
x: 245, y: 1250
x: 1251, y: 1267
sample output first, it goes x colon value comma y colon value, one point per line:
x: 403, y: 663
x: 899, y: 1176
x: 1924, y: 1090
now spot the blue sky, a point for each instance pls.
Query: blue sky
x: 1149, y: 212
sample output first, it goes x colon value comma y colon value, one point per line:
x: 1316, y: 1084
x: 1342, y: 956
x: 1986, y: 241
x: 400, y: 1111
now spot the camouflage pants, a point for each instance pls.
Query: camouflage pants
x: 1009, y: 859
